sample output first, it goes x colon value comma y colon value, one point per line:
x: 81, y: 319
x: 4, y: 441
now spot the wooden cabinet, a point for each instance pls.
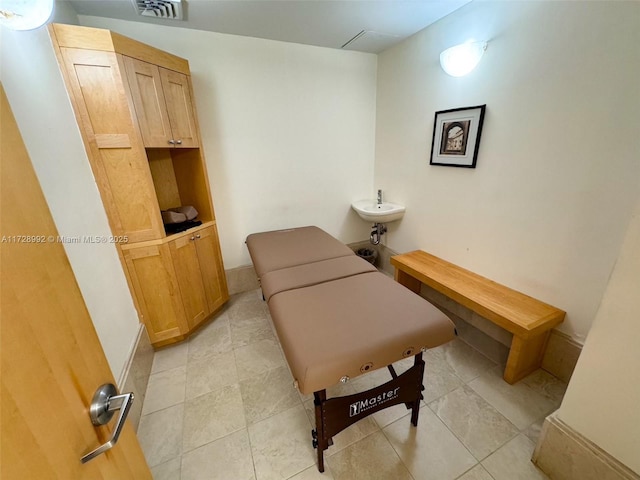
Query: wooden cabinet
x: 163, y: 105
x: 179, y: 281
x: 134, y: 106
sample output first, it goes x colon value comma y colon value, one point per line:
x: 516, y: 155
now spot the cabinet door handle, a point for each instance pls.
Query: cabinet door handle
x: 172, y: 142
x: 104, y: 404
x: 179, y: 142
x: 198, y: 236
x: 192, y: 238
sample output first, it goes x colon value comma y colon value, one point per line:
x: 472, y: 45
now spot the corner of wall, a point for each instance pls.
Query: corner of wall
x: 241, y: 279
x: 135, y: 375
x: 64, y: 12
x: 562, y: 452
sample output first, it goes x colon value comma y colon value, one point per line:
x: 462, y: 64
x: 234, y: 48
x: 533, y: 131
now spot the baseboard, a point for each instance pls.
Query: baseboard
x: 135, y: 376
x: 241, y: 279
x: 561, y: 355
x: 562, y: 453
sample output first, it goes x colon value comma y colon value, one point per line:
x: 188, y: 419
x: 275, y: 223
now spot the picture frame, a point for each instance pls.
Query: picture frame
x: 456, y: 136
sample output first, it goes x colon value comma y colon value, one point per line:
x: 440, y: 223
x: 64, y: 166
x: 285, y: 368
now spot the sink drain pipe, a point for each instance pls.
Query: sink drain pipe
x: 377, y: 231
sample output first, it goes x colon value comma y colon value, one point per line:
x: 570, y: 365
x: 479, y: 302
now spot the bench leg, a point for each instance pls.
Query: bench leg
x: 525, y: 356
x: 408, y: 281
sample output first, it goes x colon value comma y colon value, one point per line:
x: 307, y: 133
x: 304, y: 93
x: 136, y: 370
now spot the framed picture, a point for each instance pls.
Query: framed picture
x: 456, y: 137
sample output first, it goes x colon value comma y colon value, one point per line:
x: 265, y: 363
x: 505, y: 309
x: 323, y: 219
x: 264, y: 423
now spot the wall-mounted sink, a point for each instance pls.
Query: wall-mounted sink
x: 375, y: 212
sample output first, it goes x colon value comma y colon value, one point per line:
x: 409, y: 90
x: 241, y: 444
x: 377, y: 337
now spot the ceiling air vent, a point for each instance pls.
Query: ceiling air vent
x: 159, y: 8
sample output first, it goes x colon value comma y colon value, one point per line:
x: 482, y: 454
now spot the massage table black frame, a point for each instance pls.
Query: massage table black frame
x: 299, y: 284
x: 338, y: 413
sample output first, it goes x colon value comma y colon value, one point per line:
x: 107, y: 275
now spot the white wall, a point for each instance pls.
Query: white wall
x: 36, y: 92
x: 546, y: 208
x: 288, y: 130
x: 603, y: 397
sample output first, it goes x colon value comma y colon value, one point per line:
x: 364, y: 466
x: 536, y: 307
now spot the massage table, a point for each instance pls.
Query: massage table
x: 337, y: 317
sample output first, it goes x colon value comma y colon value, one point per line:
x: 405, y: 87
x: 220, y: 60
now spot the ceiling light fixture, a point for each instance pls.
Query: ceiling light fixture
x: 25, y: 14
x: 459, y: 60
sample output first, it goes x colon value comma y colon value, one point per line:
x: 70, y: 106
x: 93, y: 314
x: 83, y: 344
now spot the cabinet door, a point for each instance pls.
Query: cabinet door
x: 156, y: 288
x: 185, y: 262
x: 211, y: 267
x: 99, y: 97
x: 148, y: 100
x: 177, y: 94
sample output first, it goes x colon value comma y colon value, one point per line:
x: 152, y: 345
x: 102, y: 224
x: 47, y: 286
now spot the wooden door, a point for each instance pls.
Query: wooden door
x: 148, y: 100
x: 51, y: 359
x: 185, y: 261
x: 156, y: 288
x: 211, y: 267
x: 182, y: 117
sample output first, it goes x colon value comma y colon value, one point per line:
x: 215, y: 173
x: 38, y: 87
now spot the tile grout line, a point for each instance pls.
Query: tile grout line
x: 496, y: 410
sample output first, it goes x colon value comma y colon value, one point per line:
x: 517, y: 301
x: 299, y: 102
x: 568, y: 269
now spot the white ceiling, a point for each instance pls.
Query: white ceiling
x: 325, y: 23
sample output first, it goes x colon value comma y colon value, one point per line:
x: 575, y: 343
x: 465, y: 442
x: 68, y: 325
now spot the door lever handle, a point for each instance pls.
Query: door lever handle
x: 104, y: 404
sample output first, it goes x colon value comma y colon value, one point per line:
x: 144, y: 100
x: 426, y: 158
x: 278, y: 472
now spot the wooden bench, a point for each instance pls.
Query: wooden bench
x: 529, y: 320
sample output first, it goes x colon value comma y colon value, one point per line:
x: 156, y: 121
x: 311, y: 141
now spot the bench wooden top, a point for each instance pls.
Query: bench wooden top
x: 514, y: 311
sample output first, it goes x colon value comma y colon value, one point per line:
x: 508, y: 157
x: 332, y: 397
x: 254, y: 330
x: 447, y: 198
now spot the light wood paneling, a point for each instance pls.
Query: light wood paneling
x: 51, y: 359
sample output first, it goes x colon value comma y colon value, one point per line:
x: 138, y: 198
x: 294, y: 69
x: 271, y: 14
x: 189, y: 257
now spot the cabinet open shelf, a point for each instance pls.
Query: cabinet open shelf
x: 179, y: 180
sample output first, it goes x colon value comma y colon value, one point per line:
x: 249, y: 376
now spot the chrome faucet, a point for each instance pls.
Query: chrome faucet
x: 379, y: 197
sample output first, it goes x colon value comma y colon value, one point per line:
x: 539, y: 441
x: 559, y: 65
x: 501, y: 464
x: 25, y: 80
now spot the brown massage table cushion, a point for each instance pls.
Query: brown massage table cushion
x: 311, y: 274
x: 295, y: 246
x: 352, y: 325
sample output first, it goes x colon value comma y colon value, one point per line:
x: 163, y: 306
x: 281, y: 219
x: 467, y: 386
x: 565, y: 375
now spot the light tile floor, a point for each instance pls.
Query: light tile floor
x: 222, y: 406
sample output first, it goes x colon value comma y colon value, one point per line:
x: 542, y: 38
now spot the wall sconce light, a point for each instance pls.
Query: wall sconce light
x: 25, y: 14
x: 459, y: 60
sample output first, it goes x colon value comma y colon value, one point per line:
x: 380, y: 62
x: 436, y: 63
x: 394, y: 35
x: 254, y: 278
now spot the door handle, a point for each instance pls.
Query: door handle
x: 103, y: 406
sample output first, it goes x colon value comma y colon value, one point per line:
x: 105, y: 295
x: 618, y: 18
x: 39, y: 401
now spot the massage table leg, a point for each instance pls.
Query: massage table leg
x: 335, y: 414
x: 320, y: 441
